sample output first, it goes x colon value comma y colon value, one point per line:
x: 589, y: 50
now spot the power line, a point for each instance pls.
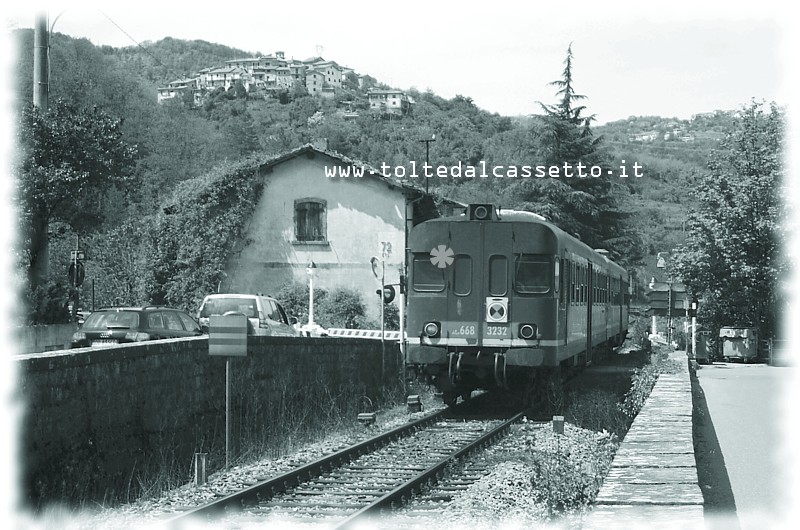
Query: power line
x: 145, y: 50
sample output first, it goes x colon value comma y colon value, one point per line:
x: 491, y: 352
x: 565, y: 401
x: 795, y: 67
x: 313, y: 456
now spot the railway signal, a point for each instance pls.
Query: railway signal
x: 388, y: 293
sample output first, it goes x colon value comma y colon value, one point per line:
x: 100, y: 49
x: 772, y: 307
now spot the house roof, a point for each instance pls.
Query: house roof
x: 370, y: 171
x: 379, y: 92
x: 226, y: 70
x: 266, y: 163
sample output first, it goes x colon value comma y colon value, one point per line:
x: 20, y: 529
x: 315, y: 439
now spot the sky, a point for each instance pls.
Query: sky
x: 672, y: 61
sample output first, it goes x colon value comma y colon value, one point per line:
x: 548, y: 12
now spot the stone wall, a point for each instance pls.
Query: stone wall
x: 103, y: 424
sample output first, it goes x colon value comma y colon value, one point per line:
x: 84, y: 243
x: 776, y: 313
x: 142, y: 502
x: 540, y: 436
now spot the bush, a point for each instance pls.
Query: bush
x: 640, y: 332
x: 567, y: 470
x: 293, y: 296
x: 48, y: 304
x: 643, y: 380
x: 338, y: 308
x: 341, y: 308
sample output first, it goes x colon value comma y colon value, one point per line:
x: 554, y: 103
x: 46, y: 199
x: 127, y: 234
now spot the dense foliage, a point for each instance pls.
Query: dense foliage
x: 69, y: 158
x: 195, y: 232
x: 732, y: 256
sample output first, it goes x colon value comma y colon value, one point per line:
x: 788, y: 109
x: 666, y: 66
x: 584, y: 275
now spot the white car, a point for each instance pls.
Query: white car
x: 264, y: 314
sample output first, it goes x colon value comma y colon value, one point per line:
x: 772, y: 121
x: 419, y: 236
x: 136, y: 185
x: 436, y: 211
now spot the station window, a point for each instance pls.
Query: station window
x: 427, y: 277
x: 533, y: 274
x: 498, y: 275
x: 462, y: 275
x: 310, y: 220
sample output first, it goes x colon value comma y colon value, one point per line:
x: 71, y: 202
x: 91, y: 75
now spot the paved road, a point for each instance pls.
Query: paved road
x: 749, y: 408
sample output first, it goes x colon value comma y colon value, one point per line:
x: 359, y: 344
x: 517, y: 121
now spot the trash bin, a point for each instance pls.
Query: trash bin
x: 739, y: 344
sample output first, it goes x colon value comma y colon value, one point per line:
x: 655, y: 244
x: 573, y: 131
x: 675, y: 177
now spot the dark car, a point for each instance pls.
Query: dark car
x: 134, y: 324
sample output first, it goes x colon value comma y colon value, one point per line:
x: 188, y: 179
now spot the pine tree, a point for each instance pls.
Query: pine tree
x: 570, y: 137
x: 586, y: 206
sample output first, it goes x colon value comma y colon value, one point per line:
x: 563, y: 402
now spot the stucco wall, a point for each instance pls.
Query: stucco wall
x: 100, y: 424
x: 361, y: 212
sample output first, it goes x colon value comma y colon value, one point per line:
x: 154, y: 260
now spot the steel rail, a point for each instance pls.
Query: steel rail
x: 281, y: 483
x: 404, y: 491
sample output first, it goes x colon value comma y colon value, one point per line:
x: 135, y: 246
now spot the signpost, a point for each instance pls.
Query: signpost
x: 227, y: 335
x: 668, y: 299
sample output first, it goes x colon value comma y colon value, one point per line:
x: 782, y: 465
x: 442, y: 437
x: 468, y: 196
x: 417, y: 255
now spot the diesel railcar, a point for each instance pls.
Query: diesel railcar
x: 497, y: 298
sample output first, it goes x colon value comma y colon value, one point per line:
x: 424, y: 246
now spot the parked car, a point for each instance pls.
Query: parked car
x: 264, y: 314
x: 134, y: 324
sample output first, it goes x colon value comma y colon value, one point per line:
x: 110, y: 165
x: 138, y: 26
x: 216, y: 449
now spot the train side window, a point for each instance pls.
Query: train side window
x: 574, y: 279
x: 533, y: 274
x: 557, y: 273
x: 583, y: 284
x: 462, y: 275
x: 427, y: 277
x: 498, y: 275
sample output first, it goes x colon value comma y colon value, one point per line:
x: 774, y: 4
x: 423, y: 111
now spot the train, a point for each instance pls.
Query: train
x: 505, y: 299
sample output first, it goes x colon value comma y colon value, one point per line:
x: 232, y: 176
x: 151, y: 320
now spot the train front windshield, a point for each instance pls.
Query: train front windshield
x: 427, y: 276
x: 533, y: 274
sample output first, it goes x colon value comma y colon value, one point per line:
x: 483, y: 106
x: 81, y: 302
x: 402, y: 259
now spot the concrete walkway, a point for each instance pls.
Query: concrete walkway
x: 653, y: 478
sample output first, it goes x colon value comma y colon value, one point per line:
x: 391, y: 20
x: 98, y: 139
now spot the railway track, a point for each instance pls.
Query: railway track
x: 363, y: 480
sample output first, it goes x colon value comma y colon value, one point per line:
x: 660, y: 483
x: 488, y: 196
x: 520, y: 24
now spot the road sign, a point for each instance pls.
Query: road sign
x: 75, y: 255
x: 661, y: 294
x: 76, y: 273
x: 377, y: 268
x: 227, y: 335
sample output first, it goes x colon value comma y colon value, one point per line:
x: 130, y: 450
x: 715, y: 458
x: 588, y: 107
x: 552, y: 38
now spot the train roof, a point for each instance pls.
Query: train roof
x: 516, y: 216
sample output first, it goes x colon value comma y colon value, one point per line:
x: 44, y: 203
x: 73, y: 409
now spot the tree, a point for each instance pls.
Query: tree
x: 69, y: 158
x: 585, y: 206
x: 732, y: 252
x: 569, y: 135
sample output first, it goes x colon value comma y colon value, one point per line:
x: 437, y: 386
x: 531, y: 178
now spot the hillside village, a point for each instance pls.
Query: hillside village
x: 269, y: 75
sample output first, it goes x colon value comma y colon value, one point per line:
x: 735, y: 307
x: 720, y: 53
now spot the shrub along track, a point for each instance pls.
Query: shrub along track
x: 367, y: 478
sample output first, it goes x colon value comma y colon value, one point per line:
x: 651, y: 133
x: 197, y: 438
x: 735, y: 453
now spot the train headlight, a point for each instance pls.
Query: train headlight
x: 432, y: 329
x: 527, y: 331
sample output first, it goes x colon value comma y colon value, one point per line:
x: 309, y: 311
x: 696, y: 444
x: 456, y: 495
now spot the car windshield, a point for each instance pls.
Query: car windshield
x: 220, y: 306
x: 112, y: 319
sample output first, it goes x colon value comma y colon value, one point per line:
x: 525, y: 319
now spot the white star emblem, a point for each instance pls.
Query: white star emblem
x: 442, y: 256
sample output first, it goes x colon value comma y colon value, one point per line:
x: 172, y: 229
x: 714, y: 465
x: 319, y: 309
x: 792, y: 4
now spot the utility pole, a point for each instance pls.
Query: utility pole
x: 427, y: 157
x: 41, y: 66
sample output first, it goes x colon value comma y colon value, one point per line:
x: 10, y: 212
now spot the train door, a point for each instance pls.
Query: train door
x: 463, y: 306
x: 496, y: 318
x: 565, y: 286
x: 589, y: 297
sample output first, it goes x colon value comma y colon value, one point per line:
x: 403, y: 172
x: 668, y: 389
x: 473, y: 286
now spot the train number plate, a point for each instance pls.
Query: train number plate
x: 496, y: 331
x: 465, y: 330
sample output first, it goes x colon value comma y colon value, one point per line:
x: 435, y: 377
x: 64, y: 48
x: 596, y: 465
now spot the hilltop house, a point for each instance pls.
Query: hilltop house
x: 273, y: 73
x: 339, y: 223
x: 178, y: 88
x: 389, y: 102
